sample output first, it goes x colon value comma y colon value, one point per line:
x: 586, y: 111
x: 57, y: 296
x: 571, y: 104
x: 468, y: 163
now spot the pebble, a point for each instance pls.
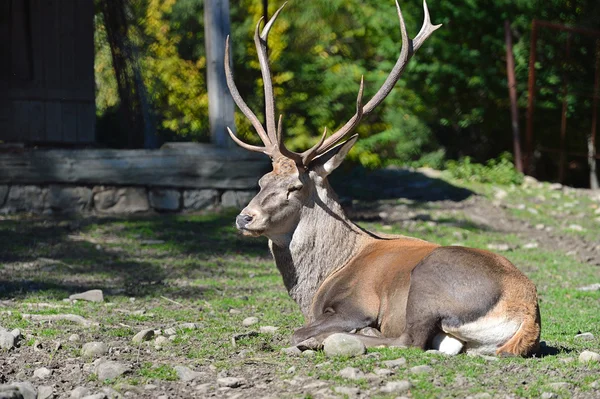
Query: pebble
x: 92, y: 349
x: 549, y: 395
x: 170, y: 331
x: 589, y: 356
x: 343, y: 345
x: 396, y: 386
x: 559, y: 385
x: 91, y: 296
x: 586, y: 336
x: 291, y: 370
x: 187, y: 374
x: 291, y: 351
x: 383, y: 372
x: 74, y: 338
x: 234, y: 311
x: 79, y: 393
x: 349, y: 391
x: 351, y: 373
x: 395, y: 363
x: 498, y: 247
x: 108, y: 370
x: 249, y: 321
x: 42, y: 373
x: 96, y: 396
x: 7, y: 340
x: 230, y: 382
x: 268, y: 329
x: 576, y: 227
x: 23, y: 390
x: 189, y: 326
x: 45, y: 391
x: 144, y: 335
x: 161, y: 340
x: 421, y: 369
x: 309, y: 353
x: 592, y: 287
x: 203, y: 388
x: 150, y: 387
x: 530, y: 245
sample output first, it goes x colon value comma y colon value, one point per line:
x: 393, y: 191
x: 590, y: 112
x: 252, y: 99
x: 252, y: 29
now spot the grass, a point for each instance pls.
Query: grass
x: 197, y: 269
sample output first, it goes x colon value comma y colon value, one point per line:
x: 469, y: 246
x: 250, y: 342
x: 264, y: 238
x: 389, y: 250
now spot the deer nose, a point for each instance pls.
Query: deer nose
x: 242, y: 220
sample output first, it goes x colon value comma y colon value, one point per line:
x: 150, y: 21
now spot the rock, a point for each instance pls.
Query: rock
x: 348, y: 391
x: 249, y: 321
x: 383, y: 372
x: 25, y: 199
x: 291, y: 370
x: 3, y: 194
x: 549, y: 395
x: 343, y: 345
x: 45, y: 392
x: 589, y: 356
x: 62, y: 199
x: 586, y: 336
x: 94, y: 349
x: 113, y: 200
x: 310, y: 343
x: 595, y: 384
x: 396, y: 386
x: 530, y: 245
x: 576, y: 227
x: 309, y: 353
x: 16, y: 333
x: 421, y: 369
x: 164, y: 199
x: 108, y: 370
x: 195, y: 200
x: 559, y: 385
x: 161, y: 340
x: 18, y: 390
x: 230, y: 382
x: 236, y: 199
x: 144, y: 335
x: 369, y: 332
x: 203, y: 388
x: 555, y: 186
x: 291, y: 351
x: 91, y: 296
x: 395, y: 363
x: 498, y: 247
x: 79, y: 393
x: 7, y: 340
x: 268, y: 329
x: 187, y: 374
x: 74, y: 338
x: 170, y: 331
x: 351, y: 373
x: 189, y: 326
x: 592, y: 287
x: 42, y: 373
x: 500, y: 194
x: 96, y: 396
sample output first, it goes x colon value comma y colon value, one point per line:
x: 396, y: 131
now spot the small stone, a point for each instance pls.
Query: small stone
x: 555, y: 186
x: 79, y: 393
x: 16, y: 333
x: 559, y: 385
x: 268, y: 329
x: 369, y: 332
x: 592, y: 287
x: 230, y: 382
x: 586, y: 336
x: 396, y: 386
x: 291, y: 351
x: 567, y: 360
x: 186, y: 374
x: 96, y: 396
x: 144, y: 335
x: 498, y: 247
x: 18, y: 390
x: 234, y: 311
x: 91, y: 296
x: 482, y: 395
x: 170, y: 331
x: 248, y: 321
x: 395, y: 363
x: 539, y: 226
x: 348, y: 391
x: 189, y: 326
x: 351, y: 373
x: 309, y: 353
x: 150, y: 387
x: 45, y: 392
x: 500, y: 194
x: 421, y: 369
x: 7, y: 340
x: 291, y: 370
x: 109, y: 370
x: 74, y: 338
x: 595, y: 384
x: 203, y: 388
x: 589, y: 356
x: 343, y: 345
x: 42, y: 373
x: 161, y: 340
x: 383, y: 372
x: 310, y: 343
x: 94, y: 349
x: 549, y: 395
x: 530, y: 245
x: 576, y: 227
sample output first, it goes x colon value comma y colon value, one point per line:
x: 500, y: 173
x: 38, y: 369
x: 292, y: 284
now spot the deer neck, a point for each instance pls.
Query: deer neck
x: 323, y: 241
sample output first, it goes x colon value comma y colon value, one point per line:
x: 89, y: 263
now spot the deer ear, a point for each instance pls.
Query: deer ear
x: 326, y: 163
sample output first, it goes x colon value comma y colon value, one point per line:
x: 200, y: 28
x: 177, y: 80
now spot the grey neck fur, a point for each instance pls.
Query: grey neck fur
x: 323, y: 241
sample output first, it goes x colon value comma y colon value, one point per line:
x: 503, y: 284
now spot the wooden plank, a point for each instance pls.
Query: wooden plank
x: 38, y: 15
x: 54, y: 122
x: 84, y: 46
x: 86, y: 123
x: 69, y: 122
x: 51, y: 42
x: 67, y: 45
x: 203, y: 167
x: 29, y: 121
x: 41, y: 93
x: 5, y: 53
x: 21, y: 67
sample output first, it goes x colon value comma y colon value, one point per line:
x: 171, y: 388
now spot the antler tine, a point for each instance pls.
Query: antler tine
x: 311, y: 153
x: 248, y: 147
x: 260, y: 40
x: 426, y: 30
x: 241, y: 103
x: 281, y: 145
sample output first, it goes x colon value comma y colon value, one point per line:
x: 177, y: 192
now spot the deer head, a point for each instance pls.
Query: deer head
x: 297, y: 178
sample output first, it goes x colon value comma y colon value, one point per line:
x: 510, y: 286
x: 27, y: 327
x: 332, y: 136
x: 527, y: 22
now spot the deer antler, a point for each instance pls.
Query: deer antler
x: 273, y: 138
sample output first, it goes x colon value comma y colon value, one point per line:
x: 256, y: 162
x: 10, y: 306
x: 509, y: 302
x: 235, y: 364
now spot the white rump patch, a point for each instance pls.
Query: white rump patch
x: 447, y: 344
x: 485, y: 335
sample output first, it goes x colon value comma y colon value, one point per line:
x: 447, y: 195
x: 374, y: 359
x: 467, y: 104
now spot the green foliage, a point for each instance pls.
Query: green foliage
x: 497, y: 171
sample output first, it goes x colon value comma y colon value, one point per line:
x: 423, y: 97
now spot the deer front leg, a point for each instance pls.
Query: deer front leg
x: 331, y: 322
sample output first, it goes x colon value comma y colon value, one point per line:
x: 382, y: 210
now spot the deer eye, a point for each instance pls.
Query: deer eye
x: 295, y: 187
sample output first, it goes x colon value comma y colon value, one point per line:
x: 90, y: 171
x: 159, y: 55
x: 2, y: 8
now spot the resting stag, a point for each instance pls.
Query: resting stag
x: 415, y: 293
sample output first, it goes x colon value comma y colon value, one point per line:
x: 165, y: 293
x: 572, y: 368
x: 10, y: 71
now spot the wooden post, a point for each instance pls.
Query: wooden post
x: 592, y: 137
x: 220, y: 102
x: 512, y: 93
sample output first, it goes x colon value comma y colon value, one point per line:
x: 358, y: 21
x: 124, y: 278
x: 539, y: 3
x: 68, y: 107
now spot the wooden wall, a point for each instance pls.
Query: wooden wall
x: 47, y: 71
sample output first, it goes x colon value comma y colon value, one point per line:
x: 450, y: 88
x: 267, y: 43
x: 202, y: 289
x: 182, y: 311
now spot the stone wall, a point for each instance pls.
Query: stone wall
x: 112, y: 200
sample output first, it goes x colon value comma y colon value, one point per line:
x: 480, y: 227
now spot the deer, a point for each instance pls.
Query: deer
x: 346, y: 279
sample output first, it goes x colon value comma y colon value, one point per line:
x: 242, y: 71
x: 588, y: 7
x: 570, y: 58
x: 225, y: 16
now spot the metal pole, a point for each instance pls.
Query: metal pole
x: 220, y: 102
x: 592, y: 138
x: 531, y: 98
x: 563, y: 121
x: 512, y: 93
